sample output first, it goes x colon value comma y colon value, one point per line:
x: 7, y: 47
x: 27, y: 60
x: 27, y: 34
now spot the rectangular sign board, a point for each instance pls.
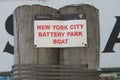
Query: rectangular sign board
x: 60, y: 33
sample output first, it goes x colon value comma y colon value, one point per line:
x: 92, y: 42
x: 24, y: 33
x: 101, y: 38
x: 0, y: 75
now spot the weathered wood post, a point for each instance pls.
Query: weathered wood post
x: 79, y: 63
x: 27, y: 57
x: 84, y: 55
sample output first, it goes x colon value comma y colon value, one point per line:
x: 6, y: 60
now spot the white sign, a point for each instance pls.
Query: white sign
x: 56, y: 33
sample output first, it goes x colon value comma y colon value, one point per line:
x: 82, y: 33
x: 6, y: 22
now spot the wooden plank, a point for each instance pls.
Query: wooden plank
x: 24, y: 41
x: 25, y: 52
x: 90, y: 54
x: 45, y: 55
x: 86, y: 55
x: 24, y: 37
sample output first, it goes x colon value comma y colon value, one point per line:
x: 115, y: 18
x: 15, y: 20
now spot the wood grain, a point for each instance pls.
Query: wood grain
x: 86, y: 55
x: 26, y: 53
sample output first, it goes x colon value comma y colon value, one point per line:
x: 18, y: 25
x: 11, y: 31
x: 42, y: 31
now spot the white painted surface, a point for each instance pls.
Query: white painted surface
x: 108, y: 9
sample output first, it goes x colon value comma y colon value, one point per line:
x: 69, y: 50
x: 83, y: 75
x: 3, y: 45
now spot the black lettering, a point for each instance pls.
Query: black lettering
x: 9, y: 48
x: 113, y: 37
x: 9, y: 28
x: 9, y: 25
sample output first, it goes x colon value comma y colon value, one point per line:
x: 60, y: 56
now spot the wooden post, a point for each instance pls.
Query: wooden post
x: 86, y: 55
x: 25, y: 52
x: 29, y: 58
